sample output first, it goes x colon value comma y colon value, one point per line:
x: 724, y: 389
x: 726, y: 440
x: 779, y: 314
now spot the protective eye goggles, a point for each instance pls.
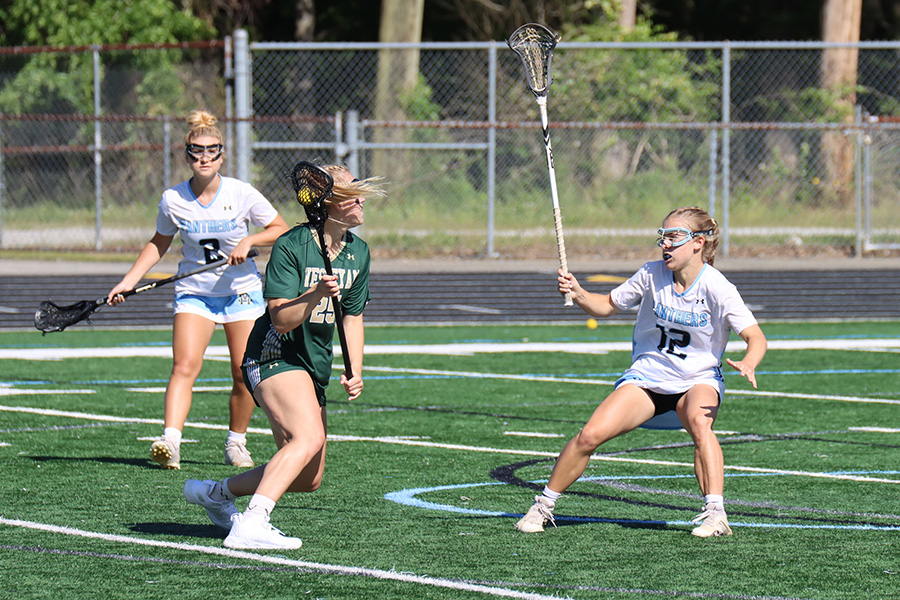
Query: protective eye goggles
x: 678, y: 236
x: 195, y: 151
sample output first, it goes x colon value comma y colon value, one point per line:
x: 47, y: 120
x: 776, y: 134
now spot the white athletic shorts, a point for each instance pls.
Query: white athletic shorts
x: 248, y: 306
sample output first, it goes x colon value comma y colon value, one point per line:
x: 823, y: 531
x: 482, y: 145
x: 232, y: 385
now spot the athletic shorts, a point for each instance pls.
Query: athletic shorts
x: 248, y: 306
x: 255, y: 372
x: 664, y: 415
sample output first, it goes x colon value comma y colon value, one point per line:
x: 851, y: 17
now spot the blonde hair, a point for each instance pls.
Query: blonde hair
x: 349, y: 190
x: 699, y: 221
x: 202, y: 123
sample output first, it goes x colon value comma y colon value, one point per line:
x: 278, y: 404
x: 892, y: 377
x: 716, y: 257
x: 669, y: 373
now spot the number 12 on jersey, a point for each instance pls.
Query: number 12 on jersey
x: 671, y: 340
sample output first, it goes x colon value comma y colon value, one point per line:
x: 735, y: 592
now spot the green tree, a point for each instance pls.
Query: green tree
x: 63, y: 82
x: 642, y: 86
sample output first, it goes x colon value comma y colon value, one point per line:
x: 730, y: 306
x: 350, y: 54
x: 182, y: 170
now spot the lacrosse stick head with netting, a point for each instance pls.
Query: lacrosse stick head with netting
x: 313, y: 186
x: 51, y: 317
x: 534, y: 44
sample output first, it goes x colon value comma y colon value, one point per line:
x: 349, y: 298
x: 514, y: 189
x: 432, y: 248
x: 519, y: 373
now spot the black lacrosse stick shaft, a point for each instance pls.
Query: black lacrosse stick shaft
x: 50, y: 317
x: 338, y: 311
x: 313, y: 185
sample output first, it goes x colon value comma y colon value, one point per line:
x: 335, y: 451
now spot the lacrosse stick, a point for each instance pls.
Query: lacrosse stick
x: 51, y: 317
x: 313, y: 185
x: 534, y: 44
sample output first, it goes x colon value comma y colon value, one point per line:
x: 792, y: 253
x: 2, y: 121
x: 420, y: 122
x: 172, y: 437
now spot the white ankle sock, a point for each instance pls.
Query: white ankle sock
x: 550, y: 495
x: 259, y: 506
x: 172, y: 434
x: 714, y: 501
x: 236, y: 437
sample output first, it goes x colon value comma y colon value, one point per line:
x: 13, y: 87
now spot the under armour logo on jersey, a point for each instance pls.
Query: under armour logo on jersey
x: 701, y: 301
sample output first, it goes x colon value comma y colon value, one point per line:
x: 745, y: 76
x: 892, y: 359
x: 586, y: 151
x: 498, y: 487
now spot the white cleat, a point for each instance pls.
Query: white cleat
x: 237, y: 455
x: 166, y: 453
x: 712, y: 524
x: 254, y: 533
x: 536, y: 517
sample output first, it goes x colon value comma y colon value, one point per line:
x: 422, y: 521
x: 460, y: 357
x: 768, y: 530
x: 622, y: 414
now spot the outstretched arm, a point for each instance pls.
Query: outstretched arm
x: 149, y: 256
x: 756, y: 349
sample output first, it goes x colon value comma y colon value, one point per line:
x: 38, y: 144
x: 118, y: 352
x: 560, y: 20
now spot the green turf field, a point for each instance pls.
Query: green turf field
x: 428, y: 471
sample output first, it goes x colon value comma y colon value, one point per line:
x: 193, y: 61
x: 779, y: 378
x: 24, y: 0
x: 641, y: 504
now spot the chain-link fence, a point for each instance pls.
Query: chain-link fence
x: 90, y: 136
x: 790, y: 161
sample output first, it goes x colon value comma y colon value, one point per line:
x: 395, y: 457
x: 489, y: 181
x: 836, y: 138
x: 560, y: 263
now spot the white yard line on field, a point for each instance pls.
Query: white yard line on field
x: 462, y: 348
x: 477, y: 375
x: 418, y: 441
x: 876, y: 429
x: 281, y: 560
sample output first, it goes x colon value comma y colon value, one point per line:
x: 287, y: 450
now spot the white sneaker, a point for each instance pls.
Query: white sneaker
x: 714, y: 523
x: 540, y: 513
x: 219, y: 511
x: 166, y: 453
x: 255, y: 533
x: 237, y: 455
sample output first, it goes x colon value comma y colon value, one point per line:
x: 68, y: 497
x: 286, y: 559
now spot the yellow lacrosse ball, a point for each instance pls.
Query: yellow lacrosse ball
x: 592, y: 323
x: 304, y: 197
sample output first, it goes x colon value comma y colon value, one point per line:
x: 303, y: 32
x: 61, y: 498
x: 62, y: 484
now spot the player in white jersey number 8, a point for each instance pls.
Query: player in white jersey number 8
x: 214, y: 216
x: 686, y: 311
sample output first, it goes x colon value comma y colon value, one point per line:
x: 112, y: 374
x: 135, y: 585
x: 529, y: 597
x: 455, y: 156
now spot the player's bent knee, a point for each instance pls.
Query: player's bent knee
x: 588, y: 440
x: 304, y: 487
x: 699, y: 426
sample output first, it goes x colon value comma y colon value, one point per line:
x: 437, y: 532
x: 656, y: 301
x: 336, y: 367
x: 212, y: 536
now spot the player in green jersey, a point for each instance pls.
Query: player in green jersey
x: 288, y: 363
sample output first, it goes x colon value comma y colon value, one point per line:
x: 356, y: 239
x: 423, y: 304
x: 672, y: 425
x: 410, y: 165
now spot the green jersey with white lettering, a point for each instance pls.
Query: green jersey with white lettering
x: 295, y: 266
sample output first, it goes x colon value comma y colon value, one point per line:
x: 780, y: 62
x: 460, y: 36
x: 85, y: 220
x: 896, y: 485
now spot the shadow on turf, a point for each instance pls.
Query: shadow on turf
x: 179, y: 529
x: 133, y: 462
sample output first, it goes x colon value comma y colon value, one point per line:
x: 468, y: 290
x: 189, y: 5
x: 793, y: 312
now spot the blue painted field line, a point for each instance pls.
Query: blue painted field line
x: 408, y: 497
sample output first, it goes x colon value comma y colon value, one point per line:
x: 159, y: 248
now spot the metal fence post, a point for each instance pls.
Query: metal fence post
x: 351, y: 138
x: 242, y: 104
x: 98, y: 157
x: 713, y: 169
x: 858, y: 167
x: 492, y: 145
x: 867, y: 189
x: 2, y: 184
x: 229, y: 94
x: 167, y: 151
x: 726, y: 149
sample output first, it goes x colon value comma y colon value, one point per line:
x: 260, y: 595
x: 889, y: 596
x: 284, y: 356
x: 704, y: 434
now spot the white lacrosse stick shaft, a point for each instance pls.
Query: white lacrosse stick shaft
x: 557, y: 216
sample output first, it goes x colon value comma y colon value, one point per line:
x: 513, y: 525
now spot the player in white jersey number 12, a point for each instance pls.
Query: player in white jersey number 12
x: 686, y: 312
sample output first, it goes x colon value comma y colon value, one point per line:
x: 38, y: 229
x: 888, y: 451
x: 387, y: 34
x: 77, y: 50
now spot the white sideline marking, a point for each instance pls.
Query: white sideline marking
x: 160, y: 390
x: 534, y: 434
x: 458, y: 349
x: 468, y: 349
x: 111, y: 419
x: 471, y: 309
x: 476, y: 375
x: 813, y: 396
x: 280, y: 560
x: 875, y: 429
x: 7, y: 391
x: 422, y: 442
x: 643, y: 461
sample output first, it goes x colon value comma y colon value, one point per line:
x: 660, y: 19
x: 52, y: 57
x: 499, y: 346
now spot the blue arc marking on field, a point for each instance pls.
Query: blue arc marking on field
x: 409, y: 497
